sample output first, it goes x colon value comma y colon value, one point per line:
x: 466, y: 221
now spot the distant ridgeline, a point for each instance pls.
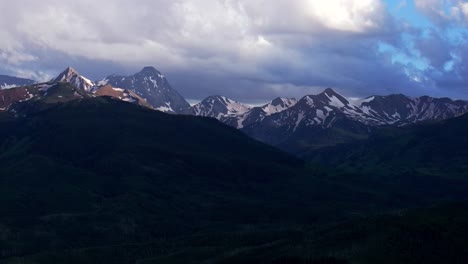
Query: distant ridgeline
x: 297, y: 126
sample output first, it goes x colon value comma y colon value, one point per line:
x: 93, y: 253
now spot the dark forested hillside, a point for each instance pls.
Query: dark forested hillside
x: 434, y: 149
x: 98, y: 180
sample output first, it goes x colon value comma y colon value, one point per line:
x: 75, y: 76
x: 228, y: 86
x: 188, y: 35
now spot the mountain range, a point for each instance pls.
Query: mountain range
x: 312, y: 122
x: 329, y: 118
x: 147, y: 88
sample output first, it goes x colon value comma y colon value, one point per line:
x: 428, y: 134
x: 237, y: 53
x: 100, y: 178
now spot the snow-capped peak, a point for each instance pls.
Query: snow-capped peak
x: 150, y: 84
x: 71, y: 76
x: 335, y: 99
x: 277, y: 105
x: 220, y: 106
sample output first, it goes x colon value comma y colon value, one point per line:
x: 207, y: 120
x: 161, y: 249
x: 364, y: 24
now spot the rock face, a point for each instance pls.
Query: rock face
x: 151, y: 85
x: 71, y: 76
x: 218, y: 106
x: 121, y: 94
x: 237, y: 114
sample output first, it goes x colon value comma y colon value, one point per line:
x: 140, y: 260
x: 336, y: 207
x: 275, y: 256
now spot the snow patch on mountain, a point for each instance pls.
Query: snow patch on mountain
x: 8, y: 86
x: 71, y: 76
x: 150, y: 84
x: 278, y: 105
x: 323, y: 109
x: 220, y: 107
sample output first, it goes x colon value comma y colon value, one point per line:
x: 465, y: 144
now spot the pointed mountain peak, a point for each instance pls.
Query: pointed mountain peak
x: 278, y: 105
x: 330, y: 91
x: 277, y: 101
x: 327, y: 93
x: 72, y: 76
x: 70, y: 69
x: 329, y: 97
x: 216, y: 97
x: 149, y: 70
x: 218, y: 106
x: 67, y: 73
x: 153, y: 86
x: 283, y: 101
x: 333, y: 95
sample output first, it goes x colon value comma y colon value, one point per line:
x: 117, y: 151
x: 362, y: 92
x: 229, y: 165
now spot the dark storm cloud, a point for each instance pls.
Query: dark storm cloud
x: 248, y: 50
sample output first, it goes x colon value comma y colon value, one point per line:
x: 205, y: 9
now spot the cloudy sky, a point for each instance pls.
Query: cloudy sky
x: 249, y: 50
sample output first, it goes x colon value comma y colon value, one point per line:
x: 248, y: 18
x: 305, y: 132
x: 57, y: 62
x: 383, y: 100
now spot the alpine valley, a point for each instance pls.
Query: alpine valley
x: 125, y: 170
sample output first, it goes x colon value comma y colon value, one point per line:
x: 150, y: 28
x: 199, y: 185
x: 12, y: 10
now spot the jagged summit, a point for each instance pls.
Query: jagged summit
x: 277, y: 101
x: 220, y: 107
x: 149, y: 70
x: 219, y: 98
x: 150, y: 84
x: 328, y: 97
x: 72, y: 76
x: 329, y: 91
x: 71, y: 70
x: 237, y: 114
x: 68, y: 73
x: 211, y: 97
x: 277, y: 105
x: 280, y: 101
